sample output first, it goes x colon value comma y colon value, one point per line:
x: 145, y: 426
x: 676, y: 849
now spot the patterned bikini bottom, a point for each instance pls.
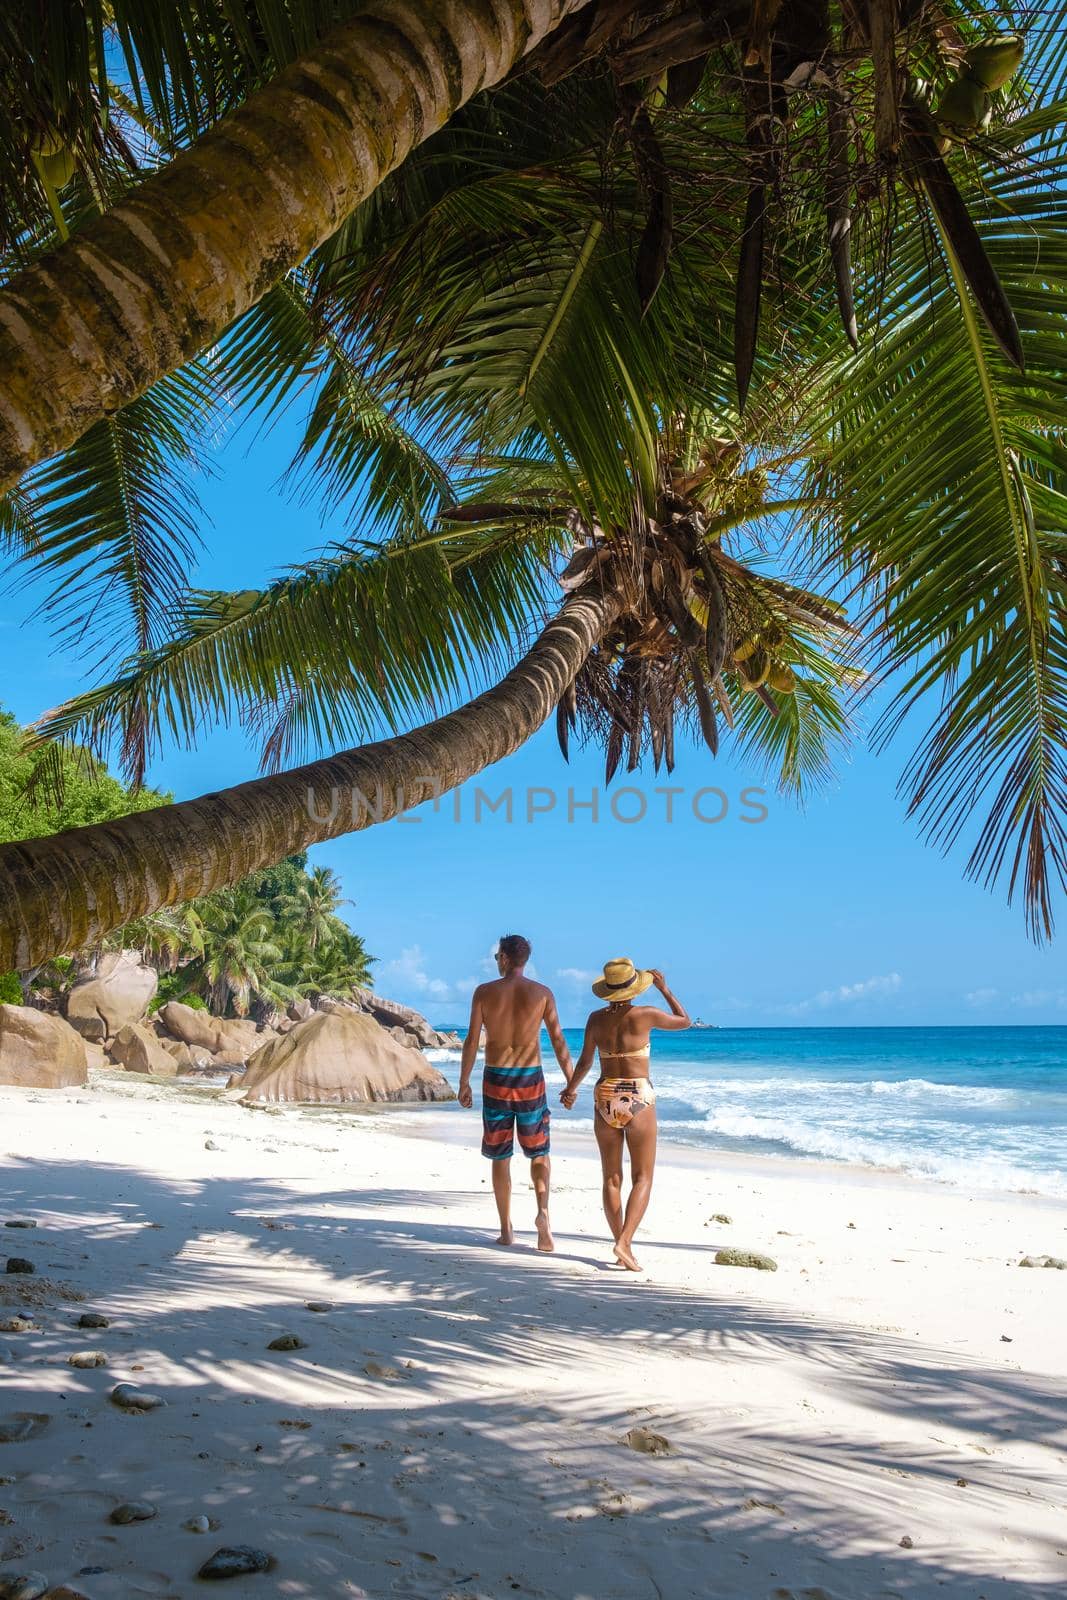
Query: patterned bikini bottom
x: 618, y: 1100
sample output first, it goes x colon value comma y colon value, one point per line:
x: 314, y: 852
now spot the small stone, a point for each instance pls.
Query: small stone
x: 20, y: 1222
x: 233, y: 1560
x: 961, y: 1483
x: 93, y: 1319
x: 288, y: 1341
x: 647, y: 1443
x: 133, y: 1511
x: 745, y: 1258
x: 209, y: 1144
x: 22, y: 1425
x: 720, y: 1216
x: 22, y: 1586
x: 15, y: 1324
x: 907, y: 1543
x: 1028, y: 1261
x: 318, y: 1305
x: 1006, y: 1338
x: 1056, y: 1263
x: 131, y: 1398
x: 852, y: 1225
x: 197, y: 1525
x: 87, y: 1358
x: 20, y: 1264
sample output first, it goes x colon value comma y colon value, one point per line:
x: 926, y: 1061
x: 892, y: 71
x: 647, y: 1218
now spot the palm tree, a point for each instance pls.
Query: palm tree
x: 562, y: 316
x: 313, y: 908
x: 152, y: 283
x: 241, y: 956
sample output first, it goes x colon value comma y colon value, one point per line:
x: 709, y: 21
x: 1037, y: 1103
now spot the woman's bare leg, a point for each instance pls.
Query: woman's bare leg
x: 610, y: 1141
x: 641, y: 1143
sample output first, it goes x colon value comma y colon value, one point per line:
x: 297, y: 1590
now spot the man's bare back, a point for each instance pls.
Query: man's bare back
x: 513, y: 1012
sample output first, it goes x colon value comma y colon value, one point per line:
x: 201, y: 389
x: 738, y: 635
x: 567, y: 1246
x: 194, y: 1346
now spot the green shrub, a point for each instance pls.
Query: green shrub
x: 10, y: 989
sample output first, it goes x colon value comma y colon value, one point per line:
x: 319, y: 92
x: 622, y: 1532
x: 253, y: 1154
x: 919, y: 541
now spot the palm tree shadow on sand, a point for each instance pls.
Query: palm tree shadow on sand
x: 455, y: 1425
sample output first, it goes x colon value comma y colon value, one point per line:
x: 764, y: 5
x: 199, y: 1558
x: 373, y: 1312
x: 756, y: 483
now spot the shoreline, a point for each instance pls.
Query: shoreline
x: 883, y: 1415
x: 578, y: 1142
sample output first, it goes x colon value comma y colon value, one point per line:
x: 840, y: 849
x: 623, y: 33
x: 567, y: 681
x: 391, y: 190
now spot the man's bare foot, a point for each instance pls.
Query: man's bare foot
x: 507, y: 1236
x: 625, y: 1256
x: 545, y: 1241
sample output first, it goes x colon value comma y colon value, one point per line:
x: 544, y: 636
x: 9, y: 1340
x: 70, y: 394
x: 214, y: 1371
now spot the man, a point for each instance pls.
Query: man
x: 512, y: 1010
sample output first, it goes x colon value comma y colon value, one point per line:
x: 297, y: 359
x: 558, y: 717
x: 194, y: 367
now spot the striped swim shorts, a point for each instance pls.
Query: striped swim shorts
x: 514, y: 1098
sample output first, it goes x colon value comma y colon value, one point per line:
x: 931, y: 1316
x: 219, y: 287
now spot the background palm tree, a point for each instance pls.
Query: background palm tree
x: 517, y: 320
x: 241, y: 955
x: 313, y: 907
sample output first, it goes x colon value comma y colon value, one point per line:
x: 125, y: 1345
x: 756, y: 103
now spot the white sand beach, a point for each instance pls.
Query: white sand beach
x: 884, y: 1416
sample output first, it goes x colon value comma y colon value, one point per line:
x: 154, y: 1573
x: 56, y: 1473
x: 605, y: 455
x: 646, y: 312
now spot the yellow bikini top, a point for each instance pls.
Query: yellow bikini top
x: 626, y: 1055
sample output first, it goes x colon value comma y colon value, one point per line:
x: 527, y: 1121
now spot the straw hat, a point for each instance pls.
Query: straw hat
x: 621, y: 981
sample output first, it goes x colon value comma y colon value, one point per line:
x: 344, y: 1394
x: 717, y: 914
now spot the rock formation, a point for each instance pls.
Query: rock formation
x: 139, y: 1050
x: 39, y: 1050
x: 341, y: 1055
x: 120, y: 992
x: 200, y: 1030
x: 391, y: 1014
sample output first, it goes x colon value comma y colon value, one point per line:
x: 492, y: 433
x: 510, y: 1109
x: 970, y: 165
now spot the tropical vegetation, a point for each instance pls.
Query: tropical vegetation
x: 273, y: 937
x: 692, y: 367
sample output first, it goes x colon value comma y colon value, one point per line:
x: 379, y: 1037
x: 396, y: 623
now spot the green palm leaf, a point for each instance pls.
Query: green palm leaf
x: 115, y: 521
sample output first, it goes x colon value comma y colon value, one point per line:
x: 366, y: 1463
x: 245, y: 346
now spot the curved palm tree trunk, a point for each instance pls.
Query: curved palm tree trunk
x: 150, y: 284
x: 63, y: 891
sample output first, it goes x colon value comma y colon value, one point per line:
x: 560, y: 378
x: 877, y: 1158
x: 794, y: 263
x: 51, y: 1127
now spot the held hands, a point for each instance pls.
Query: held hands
x: 466, y: 1095
x: 568, y: 1096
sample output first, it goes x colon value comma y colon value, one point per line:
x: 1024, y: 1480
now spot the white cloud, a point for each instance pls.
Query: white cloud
x: 876, y: 988
x: 408, y: 973
x: 1033, y: 999
x: 575, y: 975
x: 981, y: 997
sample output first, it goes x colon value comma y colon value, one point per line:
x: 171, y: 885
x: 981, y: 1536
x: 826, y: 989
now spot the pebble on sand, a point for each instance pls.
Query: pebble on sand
x: 93, y: 1319
x: 288, y: 1341
x: 133, y: 1511
x: 20, y: 1222
x: 197, y: 1525
x: 87, y: 1358
x: 15, y: 1324
x: 745, y: 1258
x: 1027, y: 1261
x: 720, y: 1216
x: 130, y: 1398
x: 234, y: 1560
x: 318, y: 1305
x: 20, y: 1264
x: 23, y: 1425
x: 907, y: 1543
x: 647, y: 1443
x: 22, y: 1586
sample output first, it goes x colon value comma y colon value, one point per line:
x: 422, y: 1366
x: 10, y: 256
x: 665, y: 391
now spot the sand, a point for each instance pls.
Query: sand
x: 885, y: 1415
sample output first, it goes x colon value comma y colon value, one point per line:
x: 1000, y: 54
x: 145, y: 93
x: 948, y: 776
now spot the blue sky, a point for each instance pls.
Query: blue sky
x: 831, y: 915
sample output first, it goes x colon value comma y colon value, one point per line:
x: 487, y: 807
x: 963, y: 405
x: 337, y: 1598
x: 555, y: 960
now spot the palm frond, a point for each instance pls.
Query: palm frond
x: 345, y: 648
x: 115, y: 521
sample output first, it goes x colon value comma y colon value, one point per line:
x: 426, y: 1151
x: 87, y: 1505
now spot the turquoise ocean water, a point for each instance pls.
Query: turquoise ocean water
x: 983, y: 1107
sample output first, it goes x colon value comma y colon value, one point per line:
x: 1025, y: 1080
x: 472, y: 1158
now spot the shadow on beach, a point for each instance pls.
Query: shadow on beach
x: 455, y: 1425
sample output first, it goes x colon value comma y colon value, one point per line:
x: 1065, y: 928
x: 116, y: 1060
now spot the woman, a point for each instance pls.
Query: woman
x: 624, y: 1099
